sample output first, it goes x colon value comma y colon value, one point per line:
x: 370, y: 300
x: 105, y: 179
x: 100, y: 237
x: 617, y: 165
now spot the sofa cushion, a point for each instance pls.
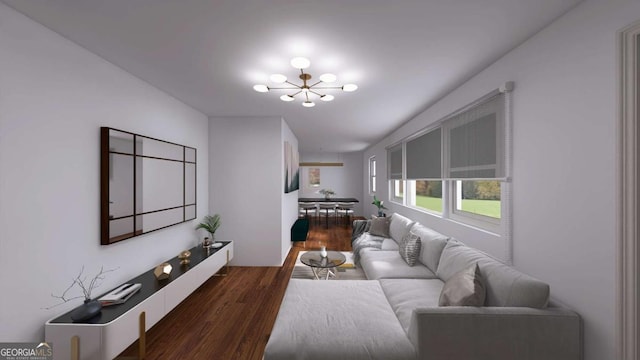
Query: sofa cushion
x: 409, y: 248
x: 333, y: 320
x: 465, y: 288
x: 389, y: 245
x: 404, y: 295
x: 389, y: 265
x: 432, y: 244
x: 399, y: 226
x: 505, y: 285
x: 380, y: 226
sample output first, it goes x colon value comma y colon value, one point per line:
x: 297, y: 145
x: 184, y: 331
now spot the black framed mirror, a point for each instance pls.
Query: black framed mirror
x: 147, y: 184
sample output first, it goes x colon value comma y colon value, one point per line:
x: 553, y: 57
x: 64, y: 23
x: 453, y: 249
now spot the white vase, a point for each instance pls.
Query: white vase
x: 323, y: 251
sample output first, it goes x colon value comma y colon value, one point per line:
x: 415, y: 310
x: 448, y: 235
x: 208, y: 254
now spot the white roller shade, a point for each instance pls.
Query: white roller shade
x: 424, y: 156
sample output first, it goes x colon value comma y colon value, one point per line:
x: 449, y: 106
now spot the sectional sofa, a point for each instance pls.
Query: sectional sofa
x: 396, y: 313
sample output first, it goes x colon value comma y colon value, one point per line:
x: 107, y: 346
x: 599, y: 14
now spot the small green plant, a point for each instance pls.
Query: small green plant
x: 379, y: 204
x: 211, y: 223
x: 327, y: 192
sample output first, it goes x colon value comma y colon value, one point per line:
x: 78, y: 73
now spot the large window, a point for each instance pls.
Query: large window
x: 397, y: 191
x: 456, y: 168
x: 425, y: 195
x: 372, y: 175
x: 480, y: 198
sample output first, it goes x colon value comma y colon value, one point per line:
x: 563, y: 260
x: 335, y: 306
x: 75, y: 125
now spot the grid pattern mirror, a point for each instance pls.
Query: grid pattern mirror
x: 147, y: 184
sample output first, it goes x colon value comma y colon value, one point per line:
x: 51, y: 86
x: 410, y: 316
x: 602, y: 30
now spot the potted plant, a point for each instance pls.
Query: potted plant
x: 211, y: 223
x: 327, y: 193
x: 379, y: 204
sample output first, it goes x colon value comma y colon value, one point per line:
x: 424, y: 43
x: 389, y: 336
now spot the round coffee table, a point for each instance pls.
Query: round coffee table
x: 320, y: 264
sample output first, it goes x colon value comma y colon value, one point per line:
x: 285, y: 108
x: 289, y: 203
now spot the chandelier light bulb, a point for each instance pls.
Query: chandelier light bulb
x: 350, y: 87
x: 260, y: 88
x: 286, y: 98
x: 328, y: 78
x: 300, y: 63
x: 327, y: 97
x: 278, y: 78
x: 308, y: 104
x: 305, y: 90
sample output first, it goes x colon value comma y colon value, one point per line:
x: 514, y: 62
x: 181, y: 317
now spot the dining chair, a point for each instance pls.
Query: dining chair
x: 306, y: 207
x: 345, y: 210
x: 327, y: 209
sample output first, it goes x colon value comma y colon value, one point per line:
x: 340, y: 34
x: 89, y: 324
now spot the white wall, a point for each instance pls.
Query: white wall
x: 564, y: 175
x: 54, y: 97
x: 345, y: 180
x: 246, y: 174
x: 290, y: 200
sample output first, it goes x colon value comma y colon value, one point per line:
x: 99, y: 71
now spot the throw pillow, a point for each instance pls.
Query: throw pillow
x: 465, y: 288
x: 409, y: 248
x: 380, y: 226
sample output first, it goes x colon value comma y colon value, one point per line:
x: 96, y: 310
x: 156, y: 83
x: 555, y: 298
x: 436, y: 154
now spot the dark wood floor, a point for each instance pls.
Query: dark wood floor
x: 231, y: 317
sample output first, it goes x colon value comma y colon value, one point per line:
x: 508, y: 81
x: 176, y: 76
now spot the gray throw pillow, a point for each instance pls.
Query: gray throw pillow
x: 409, y: 248
x: 465, y: 288
x: 380, y: 226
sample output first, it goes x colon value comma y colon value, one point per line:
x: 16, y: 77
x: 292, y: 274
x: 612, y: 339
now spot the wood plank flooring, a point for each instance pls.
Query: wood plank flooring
x: 231, y: 317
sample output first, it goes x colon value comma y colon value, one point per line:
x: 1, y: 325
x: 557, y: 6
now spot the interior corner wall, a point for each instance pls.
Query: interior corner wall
x: 289, y: 200
x: 54, y: 97
x: 344, y: 180
x: 246, y: 186
x: 564, y: 153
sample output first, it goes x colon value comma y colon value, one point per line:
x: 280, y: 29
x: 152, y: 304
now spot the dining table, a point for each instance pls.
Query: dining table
x: 332, y: 199
x: 329, y: 200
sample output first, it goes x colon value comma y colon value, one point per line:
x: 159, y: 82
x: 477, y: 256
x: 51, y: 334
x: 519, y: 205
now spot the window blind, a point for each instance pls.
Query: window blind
x: 476, y: 141
x: 424, y: 156
x: 395, y: 162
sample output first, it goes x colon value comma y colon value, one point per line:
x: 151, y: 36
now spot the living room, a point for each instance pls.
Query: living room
x: 55, y: 95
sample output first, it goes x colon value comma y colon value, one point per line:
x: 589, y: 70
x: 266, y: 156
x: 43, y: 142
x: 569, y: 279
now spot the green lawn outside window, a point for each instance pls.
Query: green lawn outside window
x: 489, y: 208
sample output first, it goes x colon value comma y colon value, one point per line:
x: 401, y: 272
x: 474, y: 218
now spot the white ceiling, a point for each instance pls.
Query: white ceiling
x: 404, y: 55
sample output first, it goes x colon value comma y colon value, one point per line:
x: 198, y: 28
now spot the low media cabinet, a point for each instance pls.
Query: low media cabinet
x: 106, y: 335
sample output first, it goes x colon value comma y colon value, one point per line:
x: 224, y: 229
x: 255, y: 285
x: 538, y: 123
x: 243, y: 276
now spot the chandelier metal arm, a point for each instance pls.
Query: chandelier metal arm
x: 296, y: 85
x: 315, y: 84
x: 311, y: 91
x: 328, y: 87
x: 284, y: 88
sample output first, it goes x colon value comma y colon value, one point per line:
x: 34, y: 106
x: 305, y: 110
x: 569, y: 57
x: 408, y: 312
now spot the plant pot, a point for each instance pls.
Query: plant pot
x: 327, y: 196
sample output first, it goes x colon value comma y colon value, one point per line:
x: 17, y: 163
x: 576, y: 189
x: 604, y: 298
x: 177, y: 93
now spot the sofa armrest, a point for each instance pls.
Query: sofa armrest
x: 359, y: 228
x: 496, y: 333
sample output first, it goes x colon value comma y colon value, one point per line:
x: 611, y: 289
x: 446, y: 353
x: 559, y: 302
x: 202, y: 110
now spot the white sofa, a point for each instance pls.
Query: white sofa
x: 395, y: 314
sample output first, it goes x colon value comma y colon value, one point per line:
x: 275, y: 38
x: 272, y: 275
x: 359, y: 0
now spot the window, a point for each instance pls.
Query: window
x: 425, y: 194
x: 478, y: 198
x: 395, y: 162
x: 457, y: 168
x: 397, y: 191
x: 476, y: 142
x: 424, y: 171
x: 372, y: 175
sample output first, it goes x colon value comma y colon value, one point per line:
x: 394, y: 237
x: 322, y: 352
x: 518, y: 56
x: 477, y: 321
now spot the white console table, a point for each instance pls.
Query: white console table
x: 116, y: 327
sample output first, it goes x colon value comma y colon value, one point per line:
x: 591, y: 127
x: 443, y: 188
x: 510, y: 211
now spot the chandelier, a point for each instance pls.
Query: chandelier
x: 307, y: 89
